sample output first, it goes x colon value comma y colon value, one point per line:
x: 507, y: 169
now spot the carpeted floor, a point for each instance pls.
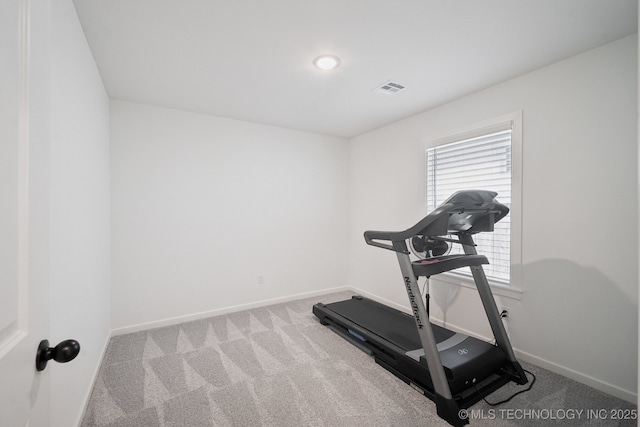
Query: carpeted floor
x: 277, y: 366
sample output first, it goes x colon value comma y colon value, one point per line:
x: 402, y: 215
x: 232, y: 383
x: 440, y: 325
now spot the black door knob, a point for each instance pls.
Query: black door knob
x: 64, y: 352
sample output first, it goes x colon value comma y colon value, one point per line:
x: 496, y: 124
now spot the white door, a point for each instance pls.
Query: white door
x: 24, y: 392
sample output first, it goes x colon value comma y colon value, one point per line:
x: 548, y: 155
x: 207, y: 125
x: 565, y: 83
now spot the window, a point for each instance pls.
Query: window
x: 480, y: 159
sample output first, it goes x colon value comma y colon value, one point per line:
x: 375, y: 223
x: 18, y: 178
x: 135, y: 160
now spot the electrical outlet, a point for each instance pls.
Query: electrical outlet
x: 505, y: 312
x: 260, y: 280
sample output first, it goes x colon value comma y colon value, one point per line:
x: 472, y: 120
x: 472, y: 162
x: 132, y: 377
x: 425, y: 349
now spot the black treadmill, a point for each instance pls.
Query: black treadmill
x: 452, y: 369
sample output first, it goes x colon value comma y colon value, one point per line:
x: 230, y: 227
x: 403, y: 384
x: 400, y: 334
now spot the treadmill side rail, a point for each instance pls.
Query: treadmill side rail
x: 446, y: 406
x: 491, y: 311
x: 432, y: 356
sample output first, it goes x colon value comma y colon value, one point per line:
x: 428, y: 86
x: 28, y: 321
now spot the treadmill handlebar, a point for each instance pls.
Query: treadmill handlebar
x: 465, y: 212
x: 372, y: 238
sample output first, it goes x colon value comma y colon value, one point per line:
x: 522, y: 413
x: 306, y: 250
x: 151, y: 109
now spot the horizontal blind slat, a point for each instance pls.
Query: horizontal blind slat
x: 482, y: 162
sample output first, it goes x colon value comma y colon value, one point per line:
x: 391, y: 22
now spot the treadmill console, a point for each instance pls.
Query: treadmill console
x: 465, y: 212
x: 472, y: 211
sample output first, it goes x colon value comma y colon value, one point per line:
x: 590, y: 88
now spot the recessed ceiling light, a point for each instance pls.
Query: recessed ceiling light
x: 326, y: 62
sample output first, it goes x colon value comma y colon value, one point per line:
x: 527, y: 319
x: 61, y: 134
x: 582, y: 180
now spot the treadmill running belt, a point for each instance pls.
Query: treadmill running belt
x: 395, y: 326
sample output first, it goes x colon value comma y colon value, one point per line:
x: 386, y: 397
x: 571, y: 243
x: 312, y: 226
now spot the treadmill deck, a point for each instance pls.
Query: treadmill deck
x: 391, y: 336
x: 395, y: 326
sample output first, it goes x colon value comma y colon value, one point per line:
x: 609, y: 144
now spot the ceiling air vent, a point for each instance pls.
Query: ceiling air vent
x: 389, y: 88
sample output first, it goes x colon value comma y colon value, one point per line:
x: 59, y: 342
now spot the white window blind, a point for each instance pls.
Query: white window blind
x: 479, y: 163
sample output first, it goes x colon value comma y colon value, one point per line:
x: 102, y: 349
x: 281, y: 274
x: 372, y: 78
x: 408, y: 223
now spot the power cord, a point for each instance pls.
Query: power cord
x: 533, y: 380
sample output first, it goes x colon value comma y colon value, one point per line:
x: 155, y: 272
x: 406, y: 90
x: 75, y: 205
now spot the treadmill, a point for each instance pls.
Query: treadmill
x: 452, y: 369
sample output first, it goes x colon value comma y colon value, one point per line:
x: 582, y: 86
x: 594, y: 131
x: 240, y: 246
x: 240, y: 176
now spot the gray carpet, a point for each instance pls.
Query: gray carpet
x: 277, y: 366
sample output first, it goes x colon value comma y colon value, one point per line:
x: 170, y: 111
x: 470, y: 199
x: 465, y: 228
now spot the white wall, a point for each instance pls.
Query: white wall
x: 79, y: 213
x: 202, y: 206
x: 578, y: 314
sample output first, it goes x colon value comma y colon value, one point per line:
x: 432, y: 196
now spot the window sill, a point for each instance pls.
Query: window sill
x: 497, y: 288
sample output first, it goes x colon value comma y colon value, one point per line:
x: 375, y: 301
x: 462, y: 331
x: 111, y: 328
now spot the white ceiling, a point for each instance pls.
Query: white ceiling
x: 252, y: 59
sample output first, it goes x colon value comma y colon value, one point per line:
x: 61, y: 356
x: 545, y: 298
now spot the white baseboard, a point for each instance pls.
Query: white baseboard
x: 221, y: 311
x: 603, y: 386
x: 93, y: 381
